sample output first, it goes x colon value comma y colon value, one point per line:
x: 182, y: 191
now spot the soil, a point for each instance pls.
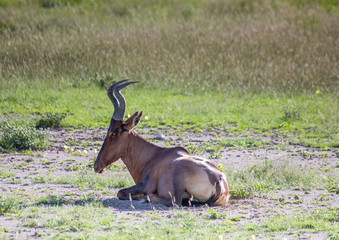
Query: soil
x: 253, y: 210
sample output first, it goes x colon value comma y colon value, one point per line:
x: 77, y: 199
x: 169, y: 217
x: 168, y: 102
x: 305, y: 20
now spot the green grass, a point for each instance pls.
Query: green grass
x: 239, y: 64
x: 86, y: 216
x: 91, y: 221
x: 243, y: 143
x: 5, y: 174
x: 52, y: 200
x: 8, y: 205
x: 316, y: 221
x: 20, y: 137
x: 87, y: 179
x: 234, y: 67
x: 317, y: 124
x: 261, y: 179
x: 50, y: 120
x: 257, y: 180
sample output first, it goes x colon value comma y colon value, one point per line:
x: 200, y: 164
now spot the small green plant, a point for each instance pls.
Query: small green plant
x: 50, y: 120
x: 7, y: 205
x: 216, y: 215
x: 239, y: 193
x: 91, y: 163
x: 72, y: 168
x: 333, y: 186
x: 235, y: 219
x: 19, y: 137
x: 291, y: 111
x: 29, y: 160
x: 192, y: 149
x: 29, y: 223
x: 215, y: 156
x: 334, y: 236
x: 50, y: 200
x: 5, y: 174
x: 20, y: 166
x: 39, y: 179
x: 116, y: 167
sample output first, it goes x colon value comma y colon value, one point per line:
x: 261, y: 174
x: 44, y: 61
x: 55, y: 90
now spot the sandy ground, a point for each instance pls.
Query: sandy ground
x: 254, y: 210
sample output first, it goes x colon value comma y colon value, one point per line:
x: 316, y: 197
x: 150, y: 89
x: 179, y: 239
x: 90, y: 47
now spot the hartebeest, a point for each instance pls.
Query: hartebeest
x: 163, y: 175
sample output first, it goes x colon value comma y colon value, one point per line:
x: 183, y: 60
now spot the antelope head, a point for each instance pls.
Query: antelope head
x: 116, y: 140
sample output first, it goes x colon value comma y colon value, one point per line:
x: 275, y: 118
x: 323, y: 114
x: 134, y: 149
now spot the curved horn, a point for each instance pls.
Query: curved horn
x: 120, y: 113
x: 111, y: 96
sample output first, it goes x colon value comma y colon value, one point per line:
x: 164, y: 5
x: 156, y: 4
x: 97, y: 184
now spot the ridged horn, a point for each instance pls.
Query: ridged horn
x: 111, y: 96
x: 118, y: 100
x: 120, y: 113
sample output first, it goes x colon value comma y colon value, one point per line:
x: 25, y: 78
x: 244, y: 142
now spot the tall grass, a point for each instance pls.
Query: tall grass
x: 202, y: 45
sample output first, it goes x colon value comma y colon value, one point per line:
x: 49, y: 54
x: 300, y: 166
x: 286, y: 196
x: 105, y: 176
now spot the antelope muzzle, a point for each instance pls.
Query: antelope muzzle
x: 99, y: 167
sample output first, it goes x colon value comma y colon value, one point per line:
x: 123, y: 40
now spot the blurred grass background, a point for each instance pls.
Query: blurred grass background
x: 265, y: 64
x: 213, y: 45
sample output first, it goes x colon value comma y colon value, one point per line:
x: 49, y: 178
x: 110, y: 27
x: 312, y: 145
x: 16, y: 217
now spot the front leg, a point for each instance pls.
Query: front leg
x: 136, y: 192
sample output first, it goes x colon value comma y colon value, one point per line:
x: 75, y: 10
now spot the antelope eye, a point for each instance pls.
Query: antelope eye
x: 111, y: 134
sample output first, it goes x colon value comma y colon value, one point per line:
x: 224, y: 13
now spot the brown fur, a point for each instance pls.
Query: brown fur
x: 164, y: 175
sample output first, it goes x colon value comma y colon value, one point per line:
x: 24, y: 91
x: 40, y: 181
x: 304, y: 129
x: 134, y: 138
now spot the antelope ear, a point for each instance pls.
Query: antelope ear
x: 133, y: 121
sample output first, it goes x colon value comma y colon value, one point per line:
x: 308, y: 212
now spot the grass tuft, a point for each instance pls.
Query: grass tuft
x: 8, y: 205
x: 50, y: 120
x: 5, y: 174
x: 52, y: 200
x: 19, y: 137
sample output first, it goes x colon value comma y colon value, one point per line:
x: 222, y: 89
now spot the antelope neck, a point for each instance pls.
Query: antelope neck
x: 139, y: 153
